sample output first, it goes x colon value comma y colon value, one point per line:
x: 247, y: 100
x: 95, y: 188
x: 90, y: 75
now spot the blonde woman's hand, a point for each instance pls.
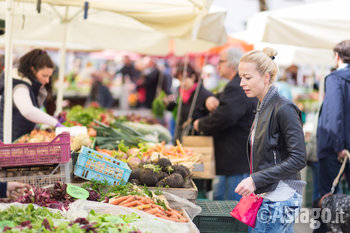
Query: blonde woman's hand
x: 246, y: 187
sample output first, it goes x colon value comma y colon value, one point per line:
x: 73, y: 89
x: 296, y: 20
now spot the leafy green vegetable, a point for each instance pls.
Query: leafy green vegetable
x: 27, y: 219
x: 83, y: 116
x: 122, y: 147
x: 158, y: 106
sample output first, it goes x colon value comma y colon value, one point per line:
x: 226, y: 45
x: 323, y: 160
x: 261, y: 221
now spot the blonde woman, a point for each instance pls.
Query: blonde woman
x: 276, y: 146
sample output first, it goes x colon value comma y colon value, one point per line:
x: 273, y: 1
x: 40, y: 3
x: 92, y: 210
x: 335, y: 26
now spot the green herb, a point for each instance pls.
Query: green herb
x: 122, y: 147
x: 153, y: 167
x: 162, y: 204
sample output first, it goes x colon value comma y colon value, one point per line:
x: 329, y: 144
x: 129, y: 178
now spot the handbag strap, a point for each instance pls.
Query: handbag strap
x: 336, y: 180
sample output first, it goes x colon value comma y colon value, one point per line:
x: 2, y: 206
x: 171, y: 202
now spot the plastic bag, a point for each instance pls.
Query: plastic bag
x: 148, y: 222
x: 178, y: 203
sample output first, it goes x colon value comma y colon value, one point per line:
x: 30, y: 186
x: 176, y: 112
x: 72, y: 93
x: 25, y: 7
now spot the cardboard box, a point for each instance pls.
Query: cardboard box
x: 205, y: 168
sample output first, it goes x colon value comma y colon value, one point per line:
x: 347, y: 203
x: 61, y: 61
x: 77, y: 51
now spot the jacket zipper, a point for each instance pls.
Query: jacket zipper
x: 274, y: 156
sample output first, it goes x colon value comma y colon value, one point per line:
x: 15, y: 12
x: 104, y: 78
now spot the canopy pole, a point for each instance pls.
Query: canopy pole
x: 62, y: 66
x: 7, y: 122
x: 179, y: 104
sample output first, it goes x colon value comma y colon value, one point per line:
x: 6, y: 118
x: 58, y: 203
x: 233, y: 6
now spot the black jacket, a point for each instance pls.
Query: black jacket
x: 279, y: 147
x: 230, y: 124
x: 3, y: 189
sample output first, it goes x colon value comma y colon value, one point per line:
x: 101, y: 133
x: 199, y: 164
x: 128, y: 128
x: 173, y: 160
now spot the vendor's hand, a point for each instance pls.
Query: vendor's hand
x: 16, y: 189
x: 245, y: 187
x: 211, y: 103
x: 195, y: 125
x: 342, y: 155
x: 58, y: 125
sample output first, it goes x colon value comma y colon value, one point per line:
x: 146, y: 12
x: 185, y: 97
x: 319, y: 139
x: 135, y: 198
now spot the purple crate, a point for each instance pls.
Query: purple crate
x: 22, y: 154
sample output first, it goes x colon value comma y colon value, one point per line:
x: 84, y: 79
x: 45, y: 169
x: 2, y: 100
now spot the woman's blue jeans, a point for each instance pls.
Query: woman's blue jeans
x: 278, y: 216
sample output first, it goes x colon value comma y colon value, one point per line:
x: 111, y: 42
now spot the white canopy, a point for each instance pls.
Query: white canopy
x: 135, y: 25
x: 318, y: 25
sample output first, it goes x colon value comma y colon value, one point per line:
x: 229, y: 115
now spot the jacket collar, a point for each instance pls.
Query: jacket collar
x: 36, y: 85
x: 272, y: 92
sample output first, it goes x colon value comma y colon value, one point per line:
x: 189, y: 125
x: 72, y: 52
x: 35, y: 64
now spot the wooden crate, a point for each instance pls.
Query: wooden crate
x: 205, y: 168
x: 187, y: 193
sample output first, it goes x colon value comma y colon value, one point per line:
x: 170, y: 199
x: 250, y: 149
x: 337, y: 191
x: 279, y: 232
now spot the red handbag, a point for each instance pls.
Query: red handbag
x: 247, y: 209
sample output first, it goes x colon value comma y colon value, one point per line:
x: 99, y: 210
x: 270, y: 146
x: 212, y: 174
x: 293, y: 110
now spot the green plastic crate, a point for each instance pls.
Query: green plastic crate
x: 215, y: 217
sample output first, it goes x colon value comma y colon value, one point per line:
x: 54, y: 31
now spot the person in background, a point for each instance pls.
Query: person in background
x: 284, y: 87
x: 128, y: 70
x: 187, y: 91
x: 99, y: 93
x: 29, y: 93
x: 152, y: 81
x: 276, y: 146
x: 333, y: 130
x: 210, y: 81
x: 229, y: 123
x: 12, y: 190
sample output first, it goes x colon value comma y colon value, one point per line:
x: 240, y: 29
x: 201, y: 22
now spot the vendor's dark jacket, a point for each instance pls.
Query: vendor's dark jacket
x: 199, y: 110
x: 279, y: 147
x: 333, y: 131
x: 3, y: 189
x: 20, y: 125
x: 229, y: 124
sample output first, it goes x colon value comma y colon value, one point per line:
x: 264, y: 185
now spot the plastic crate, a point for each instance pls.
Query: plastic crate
x: 215, y: 217
x: 24, y: 154
x: 92, y: 164
x: 63, y: 175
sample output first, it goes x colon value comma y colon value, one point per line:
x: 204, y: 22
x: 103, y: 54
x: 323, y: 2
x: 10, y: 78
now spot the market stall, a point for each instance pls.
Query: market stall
x: 111, y: 24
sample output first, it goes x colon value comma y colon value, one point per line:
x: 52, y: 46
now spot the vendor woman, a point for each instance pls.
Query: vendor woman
x: 29, y: 93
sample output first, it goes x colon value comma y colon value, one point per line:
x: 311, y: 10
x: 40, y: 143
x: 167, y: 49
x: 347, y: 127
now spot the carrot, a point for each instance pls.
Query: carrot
x: 177, y: 214
x: 142, y: 207
x: 130, y: 199
x: 130, y: 204
x: 157, y: 206
x: 167, y: 218
x: 145, y: 200
x: 153, y: 211
x: 117, y: 200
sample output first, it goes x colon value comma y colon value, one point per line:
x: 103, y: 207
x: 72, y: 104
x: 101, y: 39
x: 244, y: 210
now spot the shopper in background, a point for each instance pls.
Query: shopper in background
x: 99, y: 92
x: 29, y: 93
x: 229, y: 123
x: 152, y: 81
x: 12, y: 190
x: 276, y: 146
x: 187, y: 91
x: 333, y: 131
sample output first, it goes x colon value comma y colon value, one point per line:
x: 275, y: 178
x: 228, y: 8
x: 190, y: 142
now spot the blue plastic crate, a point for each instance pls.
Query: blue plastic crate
x: 92, y: 164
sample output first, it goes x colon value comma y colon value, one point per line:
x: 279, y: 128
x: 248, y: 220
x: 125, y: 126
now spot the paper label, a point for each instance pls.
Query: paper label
x: 77, y: 192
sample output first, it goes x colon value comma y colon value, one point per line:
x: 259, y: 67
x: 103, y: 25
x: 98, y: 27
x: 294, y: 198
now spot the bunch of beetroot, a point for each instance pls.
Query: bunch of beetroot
x: 56, y: 199
x: 161, y: 174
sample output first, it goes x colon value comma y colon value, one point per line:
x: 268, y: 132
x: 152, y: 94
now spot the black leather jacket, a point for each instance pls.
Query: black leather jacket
x: 279, y: 148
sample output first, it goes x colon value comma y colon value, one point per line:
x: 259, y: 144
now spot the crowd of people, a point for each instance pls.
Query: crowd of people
x: 257, y: 129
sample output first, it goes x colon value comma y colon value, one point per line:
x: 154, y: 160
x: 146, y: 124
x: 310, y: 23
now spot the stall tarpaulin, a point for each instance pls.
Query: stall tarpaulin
x: 137, y: 28
x: 133, y: 25
x: 317, y: 25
